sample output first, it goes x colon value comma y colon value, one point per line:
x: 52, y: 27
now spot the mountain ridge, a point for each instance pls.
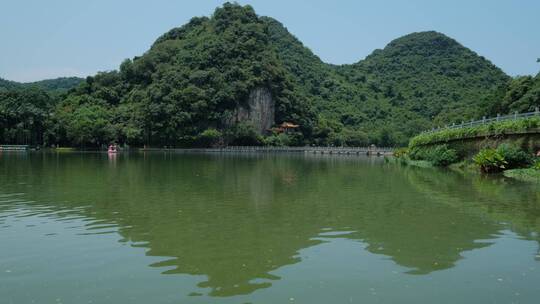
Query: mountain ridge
x: 186, y: 88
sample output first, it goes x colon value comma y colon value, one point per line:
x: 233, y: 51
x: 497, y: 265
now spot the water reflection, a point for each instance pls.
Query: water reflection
x: 235, y: 220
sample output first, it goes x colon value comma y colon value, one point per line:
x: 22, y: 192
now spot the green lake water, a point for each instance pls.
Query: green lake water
x: 181, y: 228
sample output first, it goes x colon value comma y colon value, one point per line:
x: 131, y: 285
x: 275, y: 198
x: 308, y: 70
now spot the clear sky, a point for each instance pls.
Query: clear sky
x: 45, y: 39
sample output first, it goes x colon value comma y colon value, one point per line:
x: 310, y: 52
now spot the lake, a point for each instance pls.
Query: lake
x: 261, y: 228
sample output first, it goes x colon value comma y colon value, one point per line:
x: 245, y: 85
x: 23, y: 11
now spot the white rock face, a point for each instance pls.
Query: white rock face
x: 260, y: 110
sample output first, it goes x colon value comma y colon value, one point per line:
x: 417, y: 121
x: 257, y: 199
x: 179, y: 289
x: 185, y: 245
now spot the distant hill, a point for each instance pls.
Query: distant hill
x: 7, y: 84
x: 433, y: 75
x: 228, y: 78
x: 61, y: 84
x: 58, y: 84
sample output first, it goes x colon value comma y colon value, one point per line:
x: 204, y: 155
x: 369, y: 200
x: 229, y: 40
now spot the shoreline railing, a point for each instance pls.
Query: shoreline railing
x: 484, y: 120
x: 371, y: 150
x: 308, y: 148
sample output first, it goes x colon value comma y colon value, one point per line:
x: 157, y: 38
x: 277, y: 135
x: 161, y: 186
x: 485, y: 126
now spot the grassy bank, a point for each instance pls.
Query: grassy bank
x: 403, y: 160
x: 527, y: 175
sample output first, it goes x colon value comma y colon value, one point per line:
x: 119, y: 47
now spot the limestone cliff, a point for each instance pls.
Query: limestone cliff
x: 259, y: 110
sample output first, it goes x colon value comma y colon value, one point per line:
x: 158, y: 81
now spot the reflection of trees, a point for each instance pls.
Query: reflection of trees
x: 237, y: 219
x: 502, y: 200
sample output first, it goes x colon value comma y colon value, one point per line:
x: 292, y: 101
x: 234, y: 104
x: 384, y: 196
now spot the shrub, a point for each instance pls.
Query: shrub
x: 490, y: 161
x: 439, y: 155
x: 336, y: 139
x: 208, y: 138
x: 442, y: 156
x: 537, y: 164
x: 401, y: 152
x: 277, y: 140
x: 244, y: 134
x: 514, y: 156
x: 417, y: 153
x: 296, y: 139
x: 355, y: 138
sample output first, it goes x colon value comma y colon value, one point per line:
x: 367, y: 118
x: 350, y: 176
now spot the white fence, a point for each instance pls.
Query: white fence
x: 307, y: 149
x: 371, y: 150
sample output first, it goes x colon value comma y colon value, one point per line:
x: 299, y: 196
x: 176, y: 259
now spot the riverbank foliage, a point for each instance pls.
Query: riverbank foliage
x: 490, y: 161
x: 185, y: 90
x: 504, y: 157
x: 439, y: 155
x: 527, y: 175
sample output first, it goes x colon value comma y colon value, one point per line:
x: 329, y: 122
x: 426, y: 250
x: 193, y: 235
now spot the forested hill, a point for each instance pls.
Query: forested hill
x: 57, y: 84
x: 415, y: 81
x: 191, y: 88
x: 61, y: 84
x: 6, y: 84
x: 433, y: 75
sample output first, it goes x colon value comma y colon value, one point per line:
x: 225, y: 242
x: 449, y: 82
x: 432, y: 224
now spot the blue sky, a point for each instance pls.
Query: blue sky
x: 45, y: 39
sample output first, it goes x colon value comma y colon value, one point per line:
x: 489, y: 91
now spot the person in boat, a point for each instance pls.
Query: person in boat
x: 112, y: 148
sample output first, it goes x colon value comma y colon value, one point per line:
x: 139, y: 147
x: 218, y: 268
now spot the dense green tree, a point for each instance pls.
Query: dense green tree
x: 521, y: 94
x: 23, y: 112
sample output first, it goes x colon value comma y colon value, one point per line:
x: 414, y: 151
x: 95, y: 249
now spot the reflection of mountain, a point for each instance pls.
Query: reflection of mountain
x: 237, y: 219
